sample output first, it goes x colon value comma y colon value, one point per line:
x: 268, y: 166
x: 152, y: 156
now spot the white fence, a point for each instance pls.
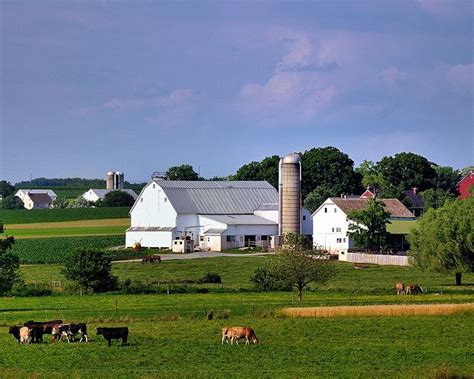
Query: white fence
x: 378, y: 259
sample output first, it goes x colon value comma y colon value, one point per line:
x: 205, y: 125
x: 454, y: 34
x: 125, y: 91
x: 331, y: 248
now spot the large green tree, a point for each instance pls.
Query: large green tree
x: 9, y: 264
x: 6, y: 189
x: 117, y: 199
x: 368, y: 228
x: 443, y: 239
x: 296, y: 266
x: 331, y: 169
x: 12, y: 202
x: 183, y: 172
x: 435, y: 197
x: 267, y: 169
x: 447, y: 179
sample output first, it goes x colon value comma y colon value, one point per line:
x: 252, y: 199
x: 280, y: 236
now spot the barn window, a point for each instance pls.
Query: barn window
x: 335, y: 210
x: 339, y: 240
x: 153, y: 185
x: 230, y: 238
x: 325, y: 210
x: 343, y: 240
x: 141, y: 199
x: 166, y: 199
x: 304, y: 218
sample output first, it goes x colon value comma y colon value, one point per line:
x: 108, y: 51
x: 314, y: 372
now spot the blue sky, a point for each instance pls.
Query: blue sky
x: 140, y: 86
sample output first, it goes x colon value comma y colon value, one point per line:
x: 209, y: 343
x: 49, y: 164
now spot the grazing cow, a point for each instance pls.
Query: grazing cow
x: 70, y: 331
x: 151, y: 259
x: 15, y: 330
x: 25, y: 335
x: 400, y: 287
x: 235, y: 333
x: 414, y: 289
x: 114, y: 334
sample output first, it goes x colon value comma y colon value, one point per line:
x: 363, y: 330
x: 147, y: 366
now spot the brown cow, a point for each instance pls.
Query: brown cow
x: 400, y: 287
x: 151, y: 259
x: 235, y: 333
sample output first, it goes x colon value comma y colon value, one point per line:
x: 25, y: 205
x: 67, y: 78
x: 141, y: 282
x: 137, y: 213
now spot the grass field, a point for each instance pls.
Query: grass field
x: 171, y: 335
x: 24, y: 216
x: 69, y: 228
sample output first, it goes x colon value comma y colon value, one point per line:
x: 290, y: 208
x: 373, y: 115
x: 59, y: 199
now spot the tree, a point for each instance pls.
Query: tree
x: 371, y: 177
x: 466, y: 170
x: 330, y: 168
x: 404, y: 171
x: 183, y: 172
x: 267, y: 170
x: 12, y: 202
x: 91, y: 270
x: 447, y: 179
x: 6, y: 189
x: 9, y: 264
x: 443, y: 239
x: 369, y: 226
x: 296, y: 266
x: 435, y: 198
x: 117, y: 199
x: 316, y: 197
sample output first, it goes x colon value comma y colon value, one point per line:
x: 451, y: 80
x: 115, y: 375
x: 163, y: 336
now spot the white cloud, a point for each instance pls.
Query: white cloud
x: 175, y: 98
x: 392, y: 75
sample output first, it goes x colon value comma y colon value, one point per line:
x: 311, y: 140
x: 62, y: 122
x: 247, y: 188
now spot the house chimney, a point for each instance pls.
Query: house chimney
x: 415, y: 190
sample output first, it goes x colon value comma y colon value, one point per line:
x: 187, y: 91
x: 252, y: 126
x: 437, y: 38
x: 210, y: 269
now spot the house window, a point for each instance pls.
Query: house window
x: 325, y: 210
x: 343, y: 240
x: 335, y: 210
x: 230, y: 238
x: 304, y: 218
x: 338, y: 230
x: 333, y: 230
x: 166, y: 199
x: 141, y: 199
x: 153, y: 185
x: 339, y: 240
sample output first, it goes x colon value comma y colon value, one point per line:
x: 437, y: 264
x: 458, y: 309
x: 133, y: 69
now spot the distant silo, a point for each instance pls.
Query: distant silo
x: 119, y: 180
x: 110, y: 180
x: 290, y: 194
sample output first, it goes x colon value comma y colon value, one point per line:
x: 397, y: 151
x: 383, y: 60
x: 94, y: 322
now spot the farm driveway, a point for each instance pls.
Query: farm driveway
x: 197, y: 255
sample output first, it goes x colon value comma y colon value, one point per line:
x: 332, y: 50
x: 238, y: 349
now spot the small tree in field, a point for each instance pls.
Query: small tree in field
x: 443, y: 239
x: 91, y: 270
x: 296, y: 266
x: 369, y: 226
x: 9, y: 264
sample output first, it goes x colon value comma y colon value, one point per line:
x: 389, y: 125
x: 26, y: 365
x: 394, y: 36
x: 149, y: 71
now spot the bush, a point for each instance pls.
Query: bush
x: 91, y: 270
x: 27, y: 290
x: 264, y: 280
x: 12, y: 202
x: 9, y: 265
x: 117, y: 199
x: 211, y: 277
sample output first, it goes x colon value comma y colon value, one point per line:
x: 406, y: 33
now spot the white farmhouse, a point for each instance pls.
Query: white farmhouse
x: 213, y: 215
x: 36, y: 201
x: 330, y: 222
x: 21, y: 193
x: 96, y: 194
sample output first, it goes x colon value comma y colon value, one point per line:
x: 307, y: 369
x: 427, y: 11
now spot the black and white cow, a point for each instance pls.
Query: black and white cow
x: 69, y: 331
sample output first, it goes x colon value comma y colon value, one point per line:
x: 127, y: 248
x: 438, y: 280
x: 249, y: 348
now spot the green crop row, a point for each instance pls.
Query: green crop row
x: 55, y: 250
x: 24, y: 216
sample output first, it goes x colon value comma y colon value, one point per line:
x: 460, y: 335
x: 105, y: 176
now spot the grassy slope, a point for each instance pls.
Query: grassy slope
x: 170, y: 337
x: 24, y: 216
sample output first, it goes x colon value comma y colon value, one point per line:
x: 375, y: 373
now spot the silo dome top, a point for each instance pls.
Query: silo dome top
x: 292, y: 158
x: 110, y: 173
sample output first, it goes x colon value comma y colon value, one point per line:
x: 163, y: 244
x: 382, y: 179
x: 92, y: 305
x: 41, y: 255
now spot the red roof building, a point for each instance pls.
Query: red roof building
x: 464, y: 185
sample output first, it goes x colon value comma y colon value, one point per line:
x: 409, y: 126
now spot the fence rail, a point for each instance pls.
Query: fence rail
x: 379, y: 259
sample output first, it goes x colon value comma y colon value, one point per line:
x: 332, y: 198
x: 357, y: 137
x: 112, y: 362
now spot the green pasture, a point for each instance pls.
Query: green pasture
x: 25, y: 216
x: 364, y: 286
x: 170, y: 336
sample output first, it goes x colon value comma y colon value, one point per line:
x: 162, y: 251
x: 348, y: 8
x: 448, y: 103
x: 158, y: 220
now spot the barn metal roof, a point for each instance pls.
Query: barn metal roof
x: 241, y: 219
x: 219, y: 197
x: 150, y: 229
x: 101, y: 192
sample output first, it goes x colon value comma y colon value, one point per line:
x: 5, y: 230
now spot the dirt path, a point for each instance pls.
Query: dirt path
x: 197, y: 255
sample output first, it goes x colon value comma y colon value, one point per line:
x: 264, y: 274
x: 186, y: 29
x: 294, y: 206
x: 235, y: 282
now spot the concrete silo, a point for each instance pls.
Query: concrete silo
x: 290, y: 194
x: 119, y: 180
x: 110, y: 180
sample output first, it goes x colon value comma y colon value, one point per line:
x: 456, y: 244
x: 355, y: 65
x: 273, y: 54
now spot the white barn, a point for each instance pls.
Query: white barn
x: 21, y: 193
x: 214, y: 215
x: 96, y: 194
x: 330, y: 222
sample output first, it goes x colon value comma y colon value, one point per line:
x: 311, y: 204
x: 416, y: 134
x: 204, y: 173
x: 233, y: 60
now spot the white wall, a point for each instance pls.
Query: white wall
x: 306, y: 222
x: 90, y: 196
x: 269, y: 215
x: 149, y: 239
x: 326, y: 221
x: 152, y: 208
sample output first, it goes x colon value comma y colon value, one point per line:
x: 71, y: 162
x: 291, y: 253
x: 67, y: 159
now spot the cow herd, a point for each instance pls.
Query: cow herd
x: 33, y: 331
x: 411, y: 289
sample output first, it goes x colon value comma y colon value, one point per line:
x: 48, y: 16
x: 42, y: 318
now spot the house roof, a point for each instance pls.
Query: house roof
x: 240, y: 219
x: 219, y: 197
x: 101, y: 192
x: 415, y: 198
x: 40, y: 198
x: 49, y: 192
x: 393, y: 206
x: 151, y: 229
